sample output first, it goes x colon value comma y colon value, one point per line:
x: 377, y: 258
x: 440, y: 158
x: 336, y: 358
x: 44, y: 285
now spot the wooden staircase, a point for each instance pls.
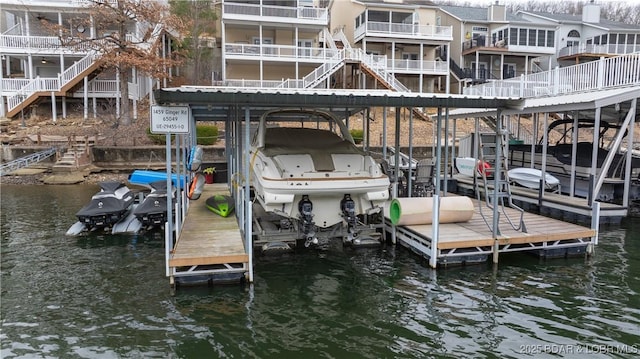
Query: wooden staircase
x: 63, y: 87
x: 375, y: 74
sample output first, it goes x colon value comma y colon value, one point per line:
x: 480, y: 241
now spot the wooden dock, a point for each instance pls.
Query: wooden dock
x: 566, y: 207
x: 208, y: 244
x: 473, y: 241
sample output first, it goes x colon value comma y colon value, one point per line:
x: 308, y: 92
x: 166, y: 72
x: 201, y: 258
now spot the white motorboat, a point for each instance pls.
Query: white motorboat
x: 471, y: 167
x: 531, y: 177
x: 313, y: 176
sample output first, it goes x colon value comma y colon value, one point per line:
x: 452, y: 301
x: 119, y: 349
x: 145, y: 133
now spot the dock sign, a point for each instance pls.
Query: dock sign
x: 170, y: 119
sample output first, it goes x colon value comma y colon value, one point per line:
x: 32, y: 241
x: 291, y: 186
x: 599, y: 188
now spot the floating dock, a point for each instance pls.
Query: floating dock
x: 556, y: 205
x: 209, y: 247
x: 473, y: 242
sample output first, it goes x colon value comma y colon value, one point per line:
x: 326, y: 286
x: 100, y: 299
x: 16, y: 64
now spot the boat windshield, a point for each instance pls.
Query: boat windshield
x: 296, y: 118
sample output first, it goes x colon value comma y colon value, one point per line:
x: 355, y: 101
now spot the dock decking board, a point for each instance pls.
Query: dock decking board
x: 207, y: 238
x: 553, y: 200
x: 476, y: 233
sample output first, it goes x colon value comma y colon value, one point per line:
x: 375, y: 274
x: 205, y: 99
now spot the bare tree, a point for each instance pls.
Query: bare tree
x: 202, y: 17
x: 126, y: 35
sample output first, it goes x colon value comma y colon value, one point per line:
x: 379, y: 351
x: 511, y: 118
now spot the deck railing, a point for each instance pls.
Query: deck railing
x: 286, y: 52
x: 618, y: 49
x: 404, y: 30
x: 425, y: 66
x: 331, y: 61
x: 50, y: 84
x: 286, y: 12
x: 597, y: 75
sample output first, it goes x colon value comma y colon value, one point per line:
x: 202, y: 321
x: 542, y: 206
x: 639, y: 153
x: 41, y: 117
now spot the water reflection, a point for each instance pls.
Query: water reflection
x: 105, y: 295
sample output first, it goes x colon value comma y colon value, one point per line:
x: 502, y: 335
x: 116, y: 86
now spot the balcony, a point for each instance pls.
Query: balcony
x: 486, y: 45
x: 21, y: 44
x: 403, y: 31
x: 417, y: 67
x: 252, y: 13
x: 240, y: 51
x: 590, y: 49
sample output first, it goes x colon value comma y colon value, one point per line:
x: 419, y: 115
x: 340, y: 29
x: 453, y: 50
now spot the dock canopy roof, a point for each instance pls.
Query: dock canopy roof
x: 215, y: 103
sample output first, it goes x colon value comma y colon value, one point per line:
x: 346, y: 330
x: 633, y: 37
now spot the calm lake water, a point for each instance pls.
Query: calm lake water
x: 106, y: 296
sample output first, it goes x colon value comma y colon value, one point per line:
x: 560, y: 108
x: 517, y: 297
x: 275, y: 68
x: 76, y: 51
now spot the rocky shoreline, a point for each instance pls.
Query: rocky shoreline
x: 47, y: 178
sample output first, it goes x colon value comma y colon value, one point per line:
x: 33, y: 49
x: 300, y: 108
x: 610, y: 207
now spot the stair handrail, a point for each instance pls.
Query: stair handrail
x: 40, y: 84
x: 380, y: 70
x: 340, y: 35
x: 328, y: 39
x: 77, y: 68
x: 323, y: 71
x: 457, y: 70
x: 17, y: 25
x: 25, y: 161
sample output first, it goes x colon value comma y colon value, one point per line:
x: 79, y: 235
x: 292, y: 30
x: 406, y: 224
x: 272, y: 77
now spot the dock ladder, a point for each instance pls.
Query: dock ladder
x: 493, y: 150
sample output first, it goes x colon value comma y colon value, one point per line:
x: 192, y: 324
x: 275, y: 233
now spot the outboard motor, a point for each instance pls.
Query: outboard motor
x: 348, y: 208
x: 305, y: 207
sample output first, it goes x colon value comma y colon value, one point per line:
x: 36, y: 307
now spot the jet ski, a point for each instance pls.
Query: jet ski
x: 220, y: 204
x: 106, y: 207
x: 153, y: 209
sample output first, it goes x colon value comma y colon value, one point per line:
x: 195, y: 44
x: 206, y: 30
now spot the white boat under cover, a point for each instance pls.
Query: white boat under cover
x: 313, y: 174
x: 530, y: 178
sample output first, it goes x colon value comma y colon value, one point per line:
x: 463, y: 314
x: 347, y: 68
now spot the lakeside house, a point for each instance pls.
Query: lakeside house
x: 358, y: 44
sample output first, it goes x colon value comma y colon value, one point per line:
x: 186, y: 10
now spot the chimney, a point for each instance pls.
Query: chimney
x: 591, y: 13
x: 497, y: 12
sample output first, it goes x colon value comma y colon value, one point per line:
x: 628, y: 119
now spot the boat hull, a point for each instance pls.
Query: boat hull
x: 295, y: 166
x: 531, y: 177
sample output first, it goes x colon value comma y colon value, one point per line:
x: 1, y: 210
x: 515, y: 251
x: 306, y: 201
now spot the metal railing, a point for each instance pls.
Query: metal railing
x: 25, y: 161
x: 597, y: 75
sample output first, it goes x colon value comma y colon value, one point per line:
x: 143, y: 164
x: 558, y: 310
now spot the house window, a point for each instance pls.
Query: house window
x: 551, y: 38
x: 541, y: 37
x: 630, y: 39
x: 522, y: 39
x: 267, y: 41
x: 532, y: 37
x: 573, y: 33
x: 508, y: 71
x: 305, y: 48
x: 409, y: 56
x: 513, y: 36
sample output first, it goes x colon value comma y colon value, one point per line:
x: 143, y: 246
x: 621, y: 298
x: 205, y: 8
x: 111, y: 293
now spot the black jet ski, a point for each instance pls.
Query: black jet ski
x: 107, y: 207
x: 153, y: 209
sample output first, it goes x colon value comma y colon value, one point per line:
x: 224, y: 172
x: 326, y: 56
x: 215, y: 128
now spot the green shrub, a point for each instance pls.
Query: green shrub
x: 205, y: 135
x: 357, y: 135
